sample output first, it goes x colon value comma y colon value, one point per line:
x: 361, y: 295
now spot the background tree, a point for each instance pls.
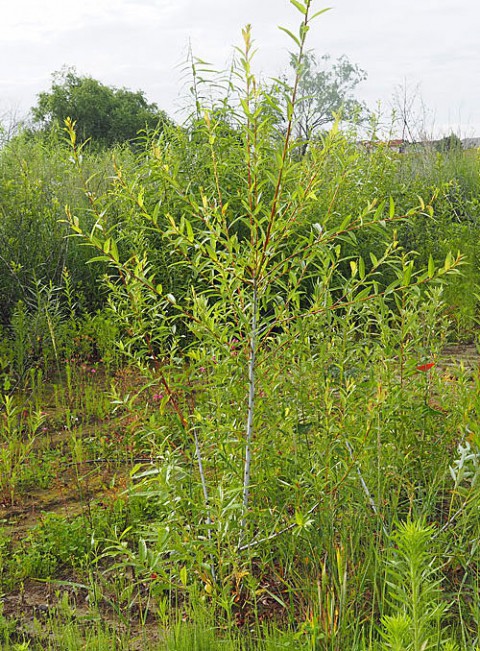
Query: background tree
x: 411, y: 118
x: 11, y: 123
x: 450, y: 143
x: 105, y: 114
x: 326, y: 90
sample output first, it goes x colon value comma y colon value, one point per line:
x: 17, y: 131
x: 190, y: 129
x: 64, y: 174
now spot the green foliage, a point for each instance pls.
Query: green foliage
x: 449, y: 143
x: 263, y: 275
x: 105, y: 115
x: 285, y: 399
x: 18, y: 432
x: 36, y: 182
x: 414, y: 592
x: 57, y: 542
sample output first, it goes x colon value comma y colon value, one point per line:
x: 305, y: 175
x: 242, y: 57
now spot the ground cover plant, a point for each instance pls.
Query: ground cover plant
x: 265, y: 438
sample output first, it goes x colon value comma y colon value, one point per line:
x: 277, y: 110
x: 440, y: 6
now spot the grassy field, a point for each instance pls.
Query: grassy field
x: 364, y: 516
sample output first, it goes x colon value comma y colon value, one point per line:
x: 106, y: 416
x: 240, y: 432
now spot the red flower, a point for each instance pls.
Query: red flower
x: 425, y: 367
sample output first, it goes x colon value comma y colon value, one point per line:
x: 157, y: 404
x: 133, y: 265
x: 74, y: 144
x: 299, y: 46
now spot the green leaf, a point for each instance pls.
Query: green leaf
x: 190, y: 236
x: 298, y: 5
x: 142, y: 551
x: 345, y: 223
x: 292, y: 36
x: 114, y: 250
x: 431, y: 267
x: 407, y: 274
x: 448, y: 261
x: 155, y: 213
x: 302, y: 521
x: 361, y: 268
x: 99, y: 258
x: 304, y: 29
x: 392, y: 208
x: 319, y: 13
x: 365, y: 293
x: 136, y: 468
x: 184, y: 576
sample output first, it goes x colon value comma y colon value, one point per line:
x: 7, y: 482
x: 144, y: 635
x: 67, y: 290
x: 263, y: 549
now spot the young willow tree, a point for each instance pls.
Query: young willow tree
x: 234, y: 277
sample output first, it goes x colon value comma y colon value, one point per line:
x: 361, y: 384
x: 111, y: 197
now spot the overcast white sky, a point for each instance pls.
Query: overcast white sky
x: 430, y: 46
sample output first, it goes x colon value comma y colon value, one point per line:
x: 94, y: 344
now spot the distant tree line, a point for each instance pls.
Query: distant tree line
x: 107, y: 116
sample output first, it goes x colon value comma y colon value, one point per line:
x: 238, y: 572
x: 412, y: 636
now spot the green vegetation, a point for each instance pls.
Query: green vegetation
x: 105, y: 115
x: 239, y: 386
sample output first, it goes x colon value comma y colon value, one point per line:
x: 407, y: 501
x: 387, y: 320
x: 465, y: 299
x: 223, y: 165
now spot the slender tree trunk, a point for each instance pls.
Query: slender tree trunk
x: 251, y: 408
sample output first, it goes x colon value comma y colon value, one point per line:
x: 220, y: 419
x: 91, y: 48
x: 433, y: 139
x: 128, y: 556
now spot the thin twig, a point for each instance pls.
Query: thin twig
x: 370, y: 499
x: 276, y: 534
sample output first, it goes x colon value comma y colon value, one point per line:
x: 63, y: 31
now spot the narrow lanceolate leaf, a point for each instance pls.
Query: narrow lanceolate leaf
x: 99, y: 258
x: 114, y: 250
x: 319, y: 13
x: 298, y: 5
x: 448, y: 261
x: 345, y: 223
x: 189, y: 228
x: 431, y: 267
x: 184, y: 576
x: 291, y: 34
x: 155, y: 213
x: 361, y: 268
x: 407, y: 275
x: 392, y: 208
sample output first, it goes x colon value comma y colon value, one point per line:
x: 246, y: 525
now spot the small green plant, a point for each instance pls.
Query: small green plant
x: 414, y: 595
x: 7, y: 629
x: 18, y: 431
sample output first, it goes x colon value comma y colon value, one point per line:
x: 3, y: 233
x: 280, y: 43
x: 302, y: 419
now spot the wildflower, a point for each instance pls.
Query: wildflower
x: 425, y: 367
x: 234, y: 347
x: 93, y: 370
x: 202, y: 369
x: 157, y: 397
